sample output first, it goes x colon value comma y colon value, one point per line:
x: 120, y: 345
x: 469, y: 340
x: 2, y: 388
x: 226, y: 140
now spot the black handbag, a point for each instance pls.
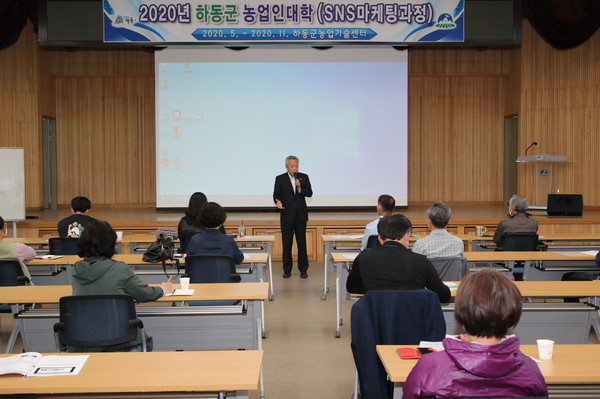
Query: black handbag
x: 161, y: 250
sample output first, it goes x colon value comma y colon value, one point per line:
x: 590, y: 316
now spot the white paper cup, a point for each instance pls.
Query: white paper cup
x: 119, y: 235
x: 185, y: 283
x: 545, y: 348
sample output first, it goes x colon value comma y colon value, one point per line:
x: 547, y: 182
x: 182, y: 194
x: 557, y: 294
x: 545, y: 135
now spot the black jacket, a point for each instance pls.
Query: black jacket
x: 294, y: 203
x: 394, y: 267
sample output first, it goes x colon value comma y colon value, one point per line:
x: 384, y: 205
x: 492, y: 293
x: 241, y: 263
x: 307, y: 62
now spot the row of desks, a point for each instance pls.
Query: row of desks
x: 187, y: 374
x: 539, y: 265
x: 571, y: 373
x: 351, y: 243
x: 174, y: 328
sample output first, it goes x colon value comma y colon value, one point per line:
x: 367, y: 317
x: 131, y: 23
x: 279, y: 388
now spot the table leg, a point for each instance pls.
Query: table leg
x: 326, y: 270
x: 270, y: 270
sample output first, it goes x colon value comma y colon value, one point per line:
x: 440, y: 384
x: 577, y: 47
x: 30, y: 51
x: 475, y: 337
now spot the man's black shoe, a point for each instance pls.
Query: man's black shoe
x: 287, y: 275
x: 303, y: 275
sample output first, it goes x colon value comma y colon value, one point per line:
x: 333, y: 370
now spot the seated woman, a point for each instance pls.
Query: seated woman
x: 211, y: 240
x: 15, y: 250
x: 98, y: 274
x: 188, y: 225
x: 484, y: 361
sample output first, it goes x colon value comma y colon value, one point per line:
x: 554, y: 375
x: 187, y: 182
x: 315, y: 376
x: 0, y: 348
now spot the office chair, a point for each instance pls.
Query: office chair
x: 373, y: 242
x: 450, y: 268
x: 11, y: 275
x: 518, y: 242
x: 184, y: 241
x: 395, y: 317
x: 62, y: 246
x: 207, y: 268
x: 92, y: 323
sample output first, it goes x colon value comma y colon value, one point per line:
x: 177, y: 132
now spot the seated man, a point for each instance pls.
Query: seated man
x: 385, y: 207
x: 393, y: 266
x: 72, y: 226
x: 519, y: 221
x: 11, y: 250
x: 439, y: 243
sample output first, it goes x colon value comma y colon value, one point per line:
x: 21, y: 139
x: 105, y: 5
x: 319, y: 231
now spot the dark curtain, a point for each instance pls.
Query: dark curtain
x: 563, y: 23
x: 13, y: 17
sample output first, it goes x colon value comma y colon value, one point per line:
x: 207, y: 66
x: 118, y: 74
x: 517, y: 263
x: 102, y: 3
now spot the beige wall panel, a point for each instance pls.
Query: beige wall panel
x: 456, y: 138
x: 459, y: 61
x: 19, y: 113
x: 560, y: 109
x: 105, y: 139
x: 106, y: 62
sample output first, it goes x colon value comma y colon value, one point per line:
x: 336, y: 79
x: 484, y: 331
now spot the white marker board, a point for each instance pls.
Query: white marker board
x: 12, y: 184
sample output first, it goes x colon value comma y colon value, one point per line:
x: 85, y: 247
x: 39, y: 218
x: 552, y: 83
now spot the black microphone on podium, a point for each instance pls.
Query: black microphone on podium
x: 530, y: 145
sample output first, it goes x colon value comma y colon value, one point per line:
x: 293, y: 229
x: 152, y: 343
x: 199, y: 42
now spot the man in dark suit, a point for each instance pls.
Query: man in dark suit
x: 393, y: 266
x: 291, y: 189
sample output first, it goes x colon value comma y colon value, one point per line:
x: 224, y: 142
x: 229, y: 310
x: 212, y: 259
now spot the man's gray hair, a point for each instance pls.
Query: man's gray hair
x: 519, y: 203
x: 439, y: 214
x: 290, y: 158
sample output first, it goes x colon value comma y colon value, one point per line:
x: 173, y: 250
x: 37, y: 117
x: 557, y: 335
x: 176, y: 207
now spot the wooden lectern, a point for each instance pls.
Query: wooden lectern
x: 543, y: 168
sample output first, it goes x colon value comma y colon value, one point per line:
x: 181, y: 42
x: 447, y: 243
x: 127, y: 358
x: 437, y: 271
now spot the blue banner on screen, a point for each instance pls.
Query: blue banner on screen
x: 257, y: 21
x: 226, y: 120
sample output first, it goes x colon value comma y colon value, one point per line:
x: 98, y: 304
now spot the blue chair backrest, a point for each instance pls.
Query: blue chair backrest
x: 11, y: 273
x: 518, y: 242
x: 210, y: 268
x: 373, y: 242
x: 97, y: 320
x: 62, y: 246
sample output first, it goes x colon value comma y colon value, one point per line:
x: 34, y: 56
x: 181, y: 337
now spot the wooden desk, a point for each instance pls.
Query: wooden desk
x: 569, y: 241
x: 171, y: 330
x: 538, y: 263
x: 543, y: 289
x: 147, y: 374
x: 203, y: 292
x: 573, y: 369
x: 56, y: 271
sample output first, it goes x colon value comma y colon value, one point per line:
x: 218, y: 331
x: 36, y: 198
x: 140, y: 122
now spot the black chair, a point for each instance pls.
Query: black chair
x: 62, y: 246
x: 373, y: 242
x: 395, y: 317
x: 518, y: 242
x: 211, y: 269
x: 184, y: 241
x: 450, y: 268
x: 97, y: 321
x: 11, y: 275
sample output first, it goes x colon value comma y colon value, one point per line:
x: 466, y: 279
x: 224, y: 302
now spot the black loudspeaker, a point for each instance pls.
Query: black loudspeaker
x: 565, y: 205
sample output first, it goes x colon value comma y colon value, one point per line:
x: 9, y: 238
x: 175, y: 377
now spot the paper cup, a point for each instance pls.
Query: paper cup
x: 545, y: 348
x: 185, y: 283
x: 119, y: 235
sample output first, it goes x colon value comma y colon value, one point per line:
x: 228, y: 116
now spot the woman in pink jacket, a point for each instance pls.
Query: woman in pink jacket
x: 484, y: 361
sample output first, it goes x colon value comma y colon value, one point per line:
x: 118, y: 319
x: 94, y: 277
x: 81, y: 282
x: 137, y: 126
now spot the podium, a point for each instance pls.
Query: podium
x: 543, y: 169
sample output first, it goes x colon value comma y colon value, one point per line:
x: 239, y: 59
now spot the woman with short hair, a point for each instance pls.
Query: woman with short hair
x: 484, y: 361
x: 99, y: 274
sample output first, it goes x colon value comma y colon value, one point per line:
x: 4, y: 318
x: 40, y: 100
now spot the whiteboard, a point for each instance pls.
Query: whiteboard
x: 12, y: 184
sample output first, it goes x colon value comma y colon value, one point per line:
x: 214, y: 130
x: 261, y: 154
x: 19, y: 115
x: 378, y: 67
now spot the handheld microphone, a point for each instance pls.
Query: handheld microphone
x: 530, y: 145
